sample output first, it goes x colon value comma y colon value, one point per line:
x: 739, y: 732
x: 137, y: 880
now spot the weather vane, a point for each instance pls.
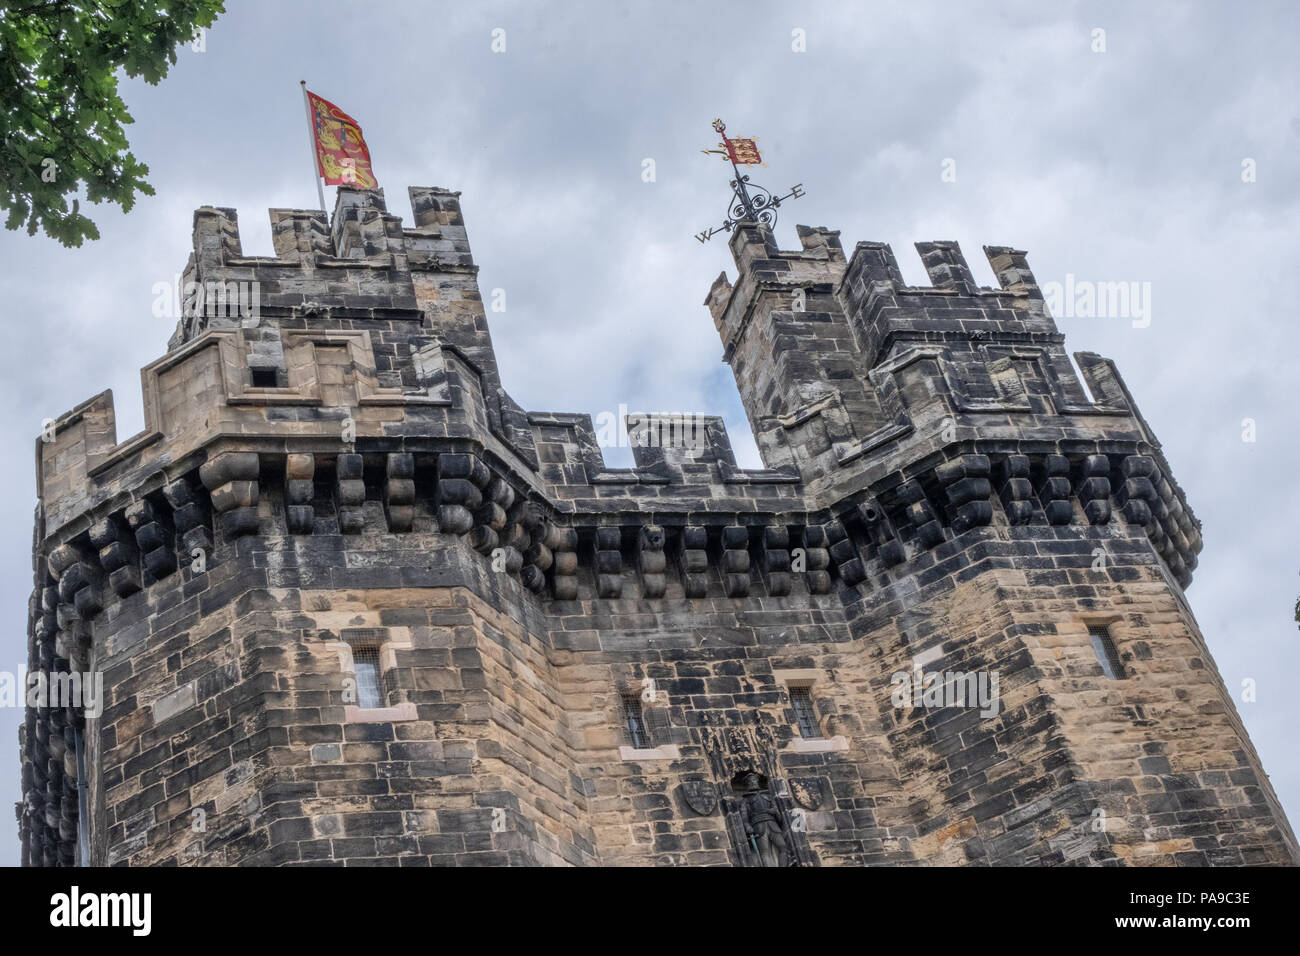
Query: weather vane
x: 749, y: 201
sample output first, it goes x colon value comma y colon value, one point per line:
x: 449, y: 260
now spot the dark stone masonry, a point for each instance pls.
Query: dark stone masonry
x: 353, y: 605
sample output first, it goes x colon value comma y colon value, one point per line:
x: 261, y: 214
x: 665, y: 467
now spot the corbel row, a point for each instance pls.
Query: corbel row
x: 1032, y: 487
x: 735, y: 547
x: 474, y: 501
x: 129, y: 550
x: 1147, y: 498
x: 958, y: 495
x: 58, y: 643
x: 470, y: 501
x: 138, y: 546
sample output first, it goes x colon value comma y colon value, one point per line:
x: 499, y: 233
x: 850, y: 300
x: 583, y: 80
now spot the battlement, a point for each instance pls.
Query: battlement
x: 884, y: 311
x: 870, y: 290
x: 360, y: 231
x: 371, y: 338
x: 362, y: 259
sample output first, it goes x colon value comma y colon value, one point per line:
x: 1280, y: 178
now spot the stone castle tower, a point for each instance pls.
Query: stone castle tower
x: 351, y: 604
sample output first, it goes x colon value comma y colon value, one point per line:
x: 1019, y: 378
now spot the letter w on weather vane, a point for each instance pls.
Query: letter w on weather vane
x: 749, y: 202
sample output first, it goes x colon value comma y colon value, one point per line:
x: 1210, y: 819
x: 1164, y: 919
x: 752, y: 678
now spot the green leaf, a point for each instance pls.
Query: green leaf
x: 59, y: 69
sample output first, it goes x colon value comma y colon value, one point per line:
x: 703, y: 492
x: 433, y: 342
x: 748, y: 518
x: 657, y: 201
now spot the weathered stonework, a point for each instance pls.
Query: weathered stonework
x: 594, y: 666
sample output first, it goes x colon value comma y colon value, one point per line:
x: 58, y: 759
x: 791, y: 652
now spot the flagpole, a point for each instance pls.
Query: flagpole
x: 311, y: 135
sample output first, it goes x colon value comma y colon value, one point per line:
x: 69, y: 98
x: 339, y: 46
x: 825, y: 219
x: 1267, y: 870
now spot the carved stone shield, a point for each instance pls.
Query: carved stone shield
x: 808, y: 792
x: 701, y: 796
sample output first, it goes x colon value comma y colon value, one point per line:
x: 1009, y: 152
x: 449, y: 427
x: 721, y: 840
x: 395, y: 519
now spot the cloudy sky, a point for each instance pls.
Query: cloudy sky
x: 1122, y: 165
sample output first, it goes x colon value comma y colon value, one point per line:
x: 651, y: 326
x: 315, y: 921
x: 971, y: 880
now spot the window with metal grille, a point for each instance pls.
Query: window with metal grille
x: 365, y: 668
x: 262, y: 377
x: 1104, y: 648
x: 638, y: 734
x: 805, y: 712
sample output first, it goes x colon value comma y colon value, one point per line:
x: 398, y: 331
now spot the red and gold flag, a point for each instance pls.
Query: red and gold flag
x: 743, y: 152
x: 342, y: 157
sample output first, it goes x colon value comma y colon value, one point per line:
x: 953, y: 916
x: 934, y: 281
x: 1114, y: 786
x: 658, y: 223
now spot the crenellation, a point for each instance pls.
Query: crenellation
x: 299, y: 235
x: 818, y: 242
x: 1011, y: 266
x: 946, y: 267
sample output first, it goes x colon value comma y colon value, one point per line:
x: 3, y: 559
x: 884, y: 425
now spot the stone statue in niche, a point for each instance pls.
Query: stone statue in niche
x: 764, y: 828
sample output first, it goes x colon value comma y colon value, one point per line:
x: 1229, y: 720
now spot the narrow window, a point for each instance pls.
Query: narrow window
x: 1104, y: 648
x: 805, y: 713
x: 83, y: 802
x: 263, y: 377
x: 365, y: 668
x: 634, y: 723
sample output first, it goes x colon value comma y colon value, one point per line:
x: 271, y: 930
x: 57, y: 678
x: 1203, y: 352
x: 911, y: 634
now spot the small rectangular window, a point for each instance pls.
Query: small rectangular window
x: 263, y: 377
x: 805, y: 712
x: 1104, y: 648
x: 638, y: 734
x: 365, y: 668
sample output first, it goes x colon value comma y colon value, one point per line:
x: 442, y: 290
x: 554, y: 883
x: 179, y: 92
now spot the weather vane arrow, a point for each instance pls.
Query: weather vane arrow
x: 750, y: 202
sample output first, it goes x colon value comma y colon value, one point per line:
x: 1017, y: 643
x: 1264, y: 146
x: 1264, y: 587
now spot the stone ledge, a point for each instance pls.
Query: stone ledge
x: 801, y: 675
x: 820, y: 745
x: 352, y: 714
x: 666, y: 752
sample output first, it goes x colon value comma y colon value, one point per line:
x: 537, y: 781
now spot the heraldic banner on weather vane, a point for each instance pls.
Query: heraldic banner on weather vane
x: 749, y: 201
